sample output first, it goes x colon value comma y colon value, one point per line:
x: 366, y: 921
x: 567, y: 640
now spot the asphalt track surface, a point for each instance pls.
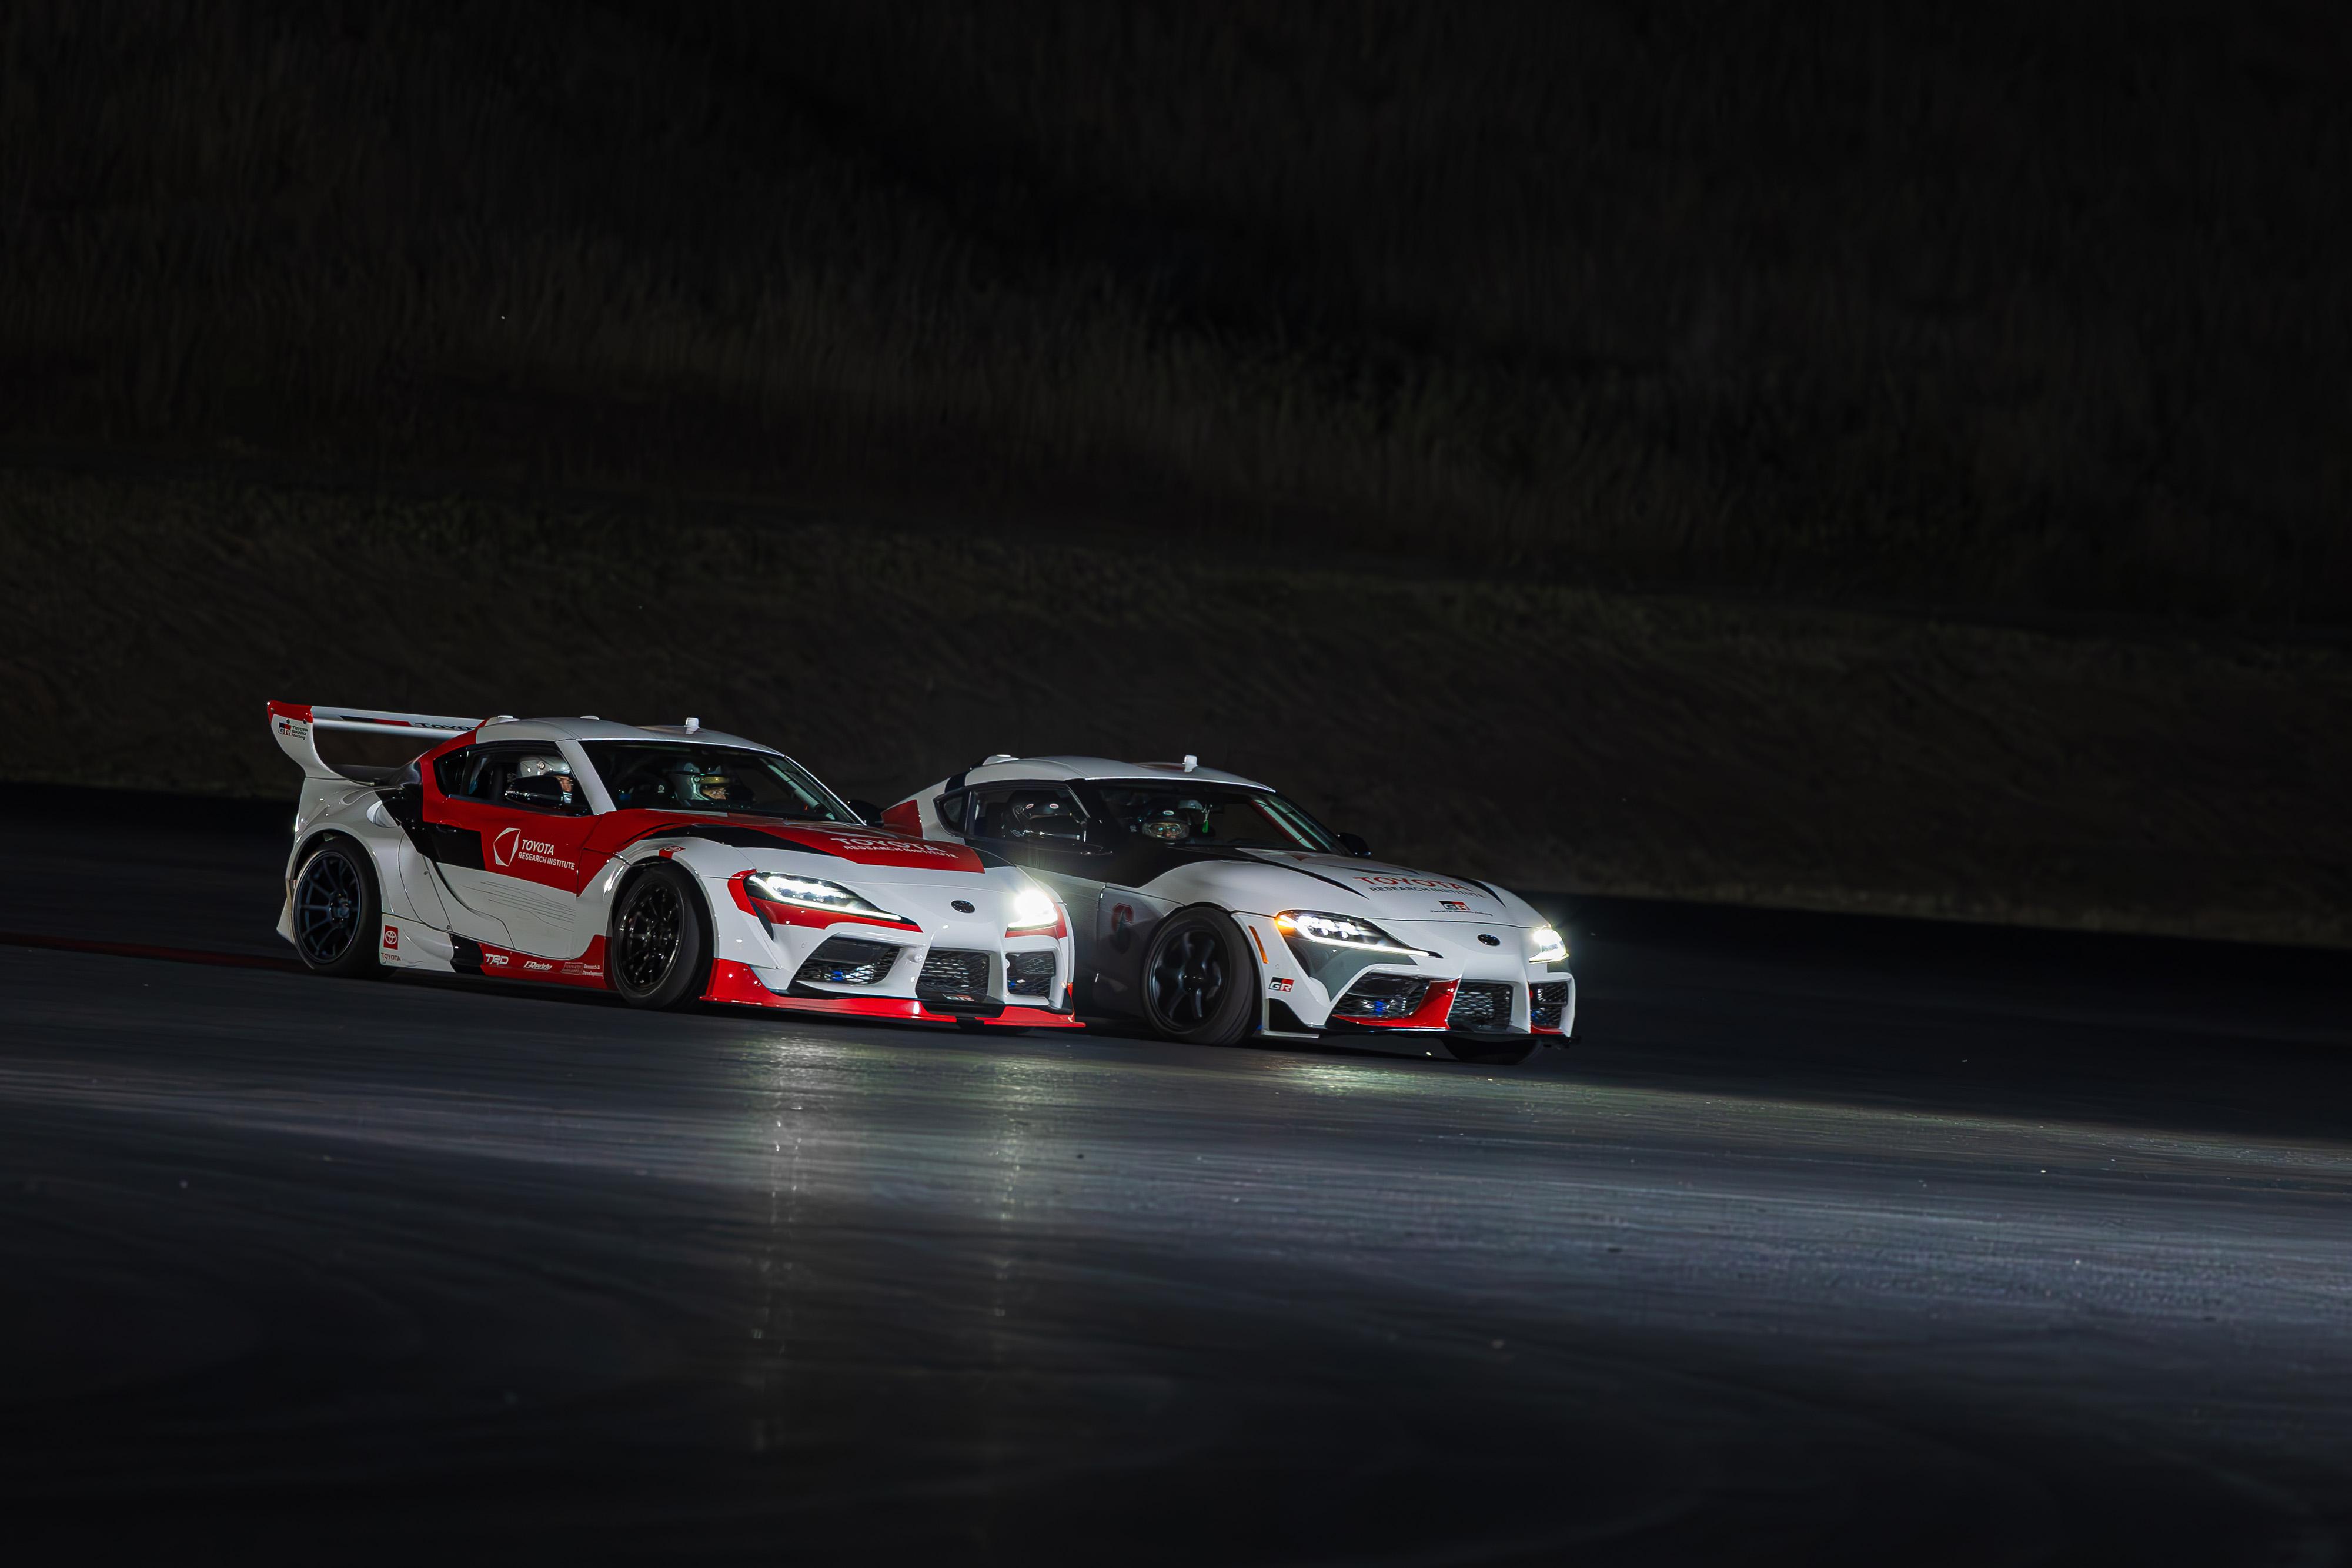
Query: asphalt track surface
x: 1831, y: 1241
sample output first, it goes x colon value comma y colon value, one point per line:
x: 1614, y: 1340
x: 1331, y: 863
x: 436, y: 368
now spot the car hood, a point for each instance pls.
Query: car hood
x: 1380, y: 890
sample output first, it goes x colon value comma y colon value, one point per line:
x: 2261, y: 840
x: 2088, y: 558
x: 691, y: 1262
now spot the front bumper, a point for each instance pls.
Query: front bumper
x: 1453, y: 985
x: 738, y: 983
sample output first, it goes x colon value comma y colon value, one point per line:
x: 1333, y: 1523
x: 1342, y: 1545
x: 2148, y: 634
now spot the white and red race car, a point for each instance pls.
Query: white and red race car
x: 1212, y: 908
x: 666, y: 863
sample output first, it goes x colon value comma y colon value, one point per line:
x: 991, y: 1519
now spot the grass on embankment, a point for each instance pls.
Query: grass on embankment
x: 2000, y: 305
x: 1547, y: 736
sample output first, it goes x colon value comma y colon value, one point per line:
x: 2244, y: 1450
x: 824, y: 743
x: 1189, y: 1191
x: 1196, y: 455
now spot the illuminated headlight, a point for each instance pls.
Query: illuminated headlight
x: 777, y: 887
x: 1337, y: 931
x: 1034, y: 909
x: 1545, y: 946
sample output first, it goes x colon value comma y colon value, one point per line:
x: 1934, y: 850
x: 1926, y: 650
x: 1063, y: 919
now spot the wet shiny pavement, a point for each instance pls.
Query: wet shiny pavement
x: 1826, y: 1244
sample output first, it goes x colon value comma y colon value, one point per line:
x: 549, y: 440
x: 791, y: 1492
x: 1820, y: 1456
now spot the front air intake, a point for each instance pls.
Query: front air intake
x: 1546, y: 1002
x: 1482, y: 1005
x: 846, y: 961
x: 1029, y: 974
x: 1382, y: 997
x: 953, y: 975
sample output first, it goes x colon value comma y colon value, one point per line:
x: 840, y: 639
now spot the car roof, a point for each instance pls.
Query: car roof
x: 505, y: 729
x: 1018, y: 769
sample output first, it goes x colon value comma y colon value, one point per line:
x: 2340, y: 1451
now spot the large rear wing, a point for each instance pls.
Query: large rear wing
x: 295, y: 726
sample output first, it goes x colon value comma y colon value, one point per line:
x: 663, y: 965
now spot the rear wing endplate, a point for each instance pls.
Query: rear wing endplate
x: 295, y: 726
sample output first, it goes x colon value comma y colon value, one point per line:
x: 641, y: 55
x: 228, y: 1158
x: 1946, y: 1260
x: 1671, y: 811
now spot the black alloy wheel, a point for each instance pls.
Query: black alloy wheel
x: 1199, y: 985
x: 659, y: 944
x: 335, y: 911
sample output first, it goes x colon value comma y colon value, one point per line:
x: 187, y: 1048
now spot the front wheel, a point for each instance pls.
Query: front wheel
x: 1199, y: 985
x: 336, y: 910
x: 660, y: 944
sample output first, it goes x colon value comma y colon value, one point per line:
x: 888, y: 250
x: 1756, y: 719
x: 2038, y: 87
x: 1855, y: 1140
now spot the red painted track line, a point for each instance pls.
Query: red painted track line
x: 148, y: 950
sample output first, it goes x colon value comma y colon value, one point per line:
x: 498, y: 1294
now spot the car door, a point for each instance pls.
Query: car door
x: 510, y: 827
x: 1044, y: 828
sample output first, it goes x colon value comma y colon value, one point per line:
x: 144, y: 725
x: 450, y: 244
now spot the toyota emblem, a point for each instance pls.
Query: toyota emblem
x: 963, y: 906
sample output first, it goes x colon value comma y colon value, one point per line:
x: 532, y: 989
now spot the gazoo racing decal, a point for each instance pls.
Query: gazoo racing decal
x: 1280, y: 983
x: 510, y: 847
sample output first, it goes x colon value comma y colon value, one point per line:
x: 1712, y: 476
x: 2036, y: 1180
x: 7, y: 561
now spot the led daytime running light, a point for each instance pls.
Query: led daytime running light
x: 808, y: 893
x: 1545, y: 946
x: 1338, y: 931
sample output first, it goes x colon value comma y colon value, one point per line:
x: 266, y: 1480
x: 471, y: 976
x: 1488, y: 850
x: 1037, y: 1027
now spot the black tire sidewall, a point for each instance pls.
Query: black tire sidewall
x: 359, y: 960
x: 689, y: 970
x: 1236, y: 1011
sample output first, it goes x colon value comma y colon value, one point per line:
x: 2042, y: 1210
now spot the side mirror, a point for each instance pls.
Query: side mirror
x: 1354, y: 845
x: 545, y: 792
x: 868, y: 812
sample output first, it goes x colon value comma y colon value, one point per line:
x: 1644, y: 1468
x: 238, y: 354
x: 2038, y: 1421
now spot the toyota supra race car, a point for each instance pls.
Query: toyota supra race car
x: 668, y: 863
x: 1212, y: 908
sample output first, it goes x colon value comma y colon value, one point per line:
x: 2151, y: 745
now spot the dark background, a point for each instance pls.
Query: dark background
x: 1873, y: 456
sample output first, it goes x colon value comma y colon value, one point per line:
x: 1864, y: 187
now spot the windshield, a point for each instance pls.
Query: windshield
x: 680, y: 776
x: 1213, y: 816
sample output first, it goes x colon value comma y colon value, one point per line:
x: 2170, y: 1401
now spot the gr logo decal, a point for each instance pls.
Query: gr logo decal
x: 502, y: 848
x: 1122, y: 926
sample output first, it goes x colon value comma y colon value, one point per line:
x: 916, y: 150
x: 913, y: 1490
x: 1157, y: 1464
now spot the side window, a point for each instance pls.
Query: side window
x: 521, y: 778
x: 1030, y: 814
x: 468, y: 775
x: 950, y: 810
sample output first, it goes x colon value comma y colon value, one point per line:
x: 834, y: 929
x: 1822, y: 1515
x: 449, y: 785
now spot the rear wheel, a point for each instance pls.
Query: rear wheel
x: 660, y: 943
x: 1199, y: 985
x: 336, y: 911
x: 1508, y: 1052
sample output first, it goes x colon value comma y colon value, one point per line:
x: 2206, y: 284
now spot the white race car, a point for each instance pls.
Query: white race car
x: 1212, y: 908
x: 666, y: 863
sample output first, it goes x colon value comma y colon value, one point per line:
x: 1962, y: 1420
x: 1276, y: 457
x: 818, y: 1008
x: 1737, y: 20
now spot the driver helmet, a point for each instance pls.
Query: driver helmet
x: 716, y: 785
x: 1168, y: 824
x: 1031, y: 811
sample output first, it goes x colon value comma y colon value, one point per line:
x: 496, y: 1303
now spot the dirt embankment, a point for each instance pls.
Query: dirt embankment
x: 1550, y: 738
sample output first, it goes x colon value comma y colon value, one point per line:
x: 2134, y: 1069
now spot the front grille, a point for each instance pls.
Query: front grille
x: 1481, y: 1004
x: 1546, y: 1003
x: 952, y: 973
x: 1382, y: 997
x: 846, y: 961
x: 1029, y: 974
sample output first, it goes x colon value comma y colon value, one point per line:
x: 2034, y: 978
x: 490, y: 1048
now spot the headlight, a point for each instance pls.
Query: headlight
x: 778, y: 887
x: 1337, y: 931
x: 1545, y: 946
x: 1035, y: 913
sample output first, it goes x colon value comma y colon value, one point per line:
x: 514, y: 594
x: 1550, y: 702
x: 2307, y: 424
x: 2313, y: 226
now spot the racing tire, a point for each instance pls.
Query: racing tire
x: 1490, y: 1053
x: 1199, y: 984
x: 336, y: 912
x: 657, y: 953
